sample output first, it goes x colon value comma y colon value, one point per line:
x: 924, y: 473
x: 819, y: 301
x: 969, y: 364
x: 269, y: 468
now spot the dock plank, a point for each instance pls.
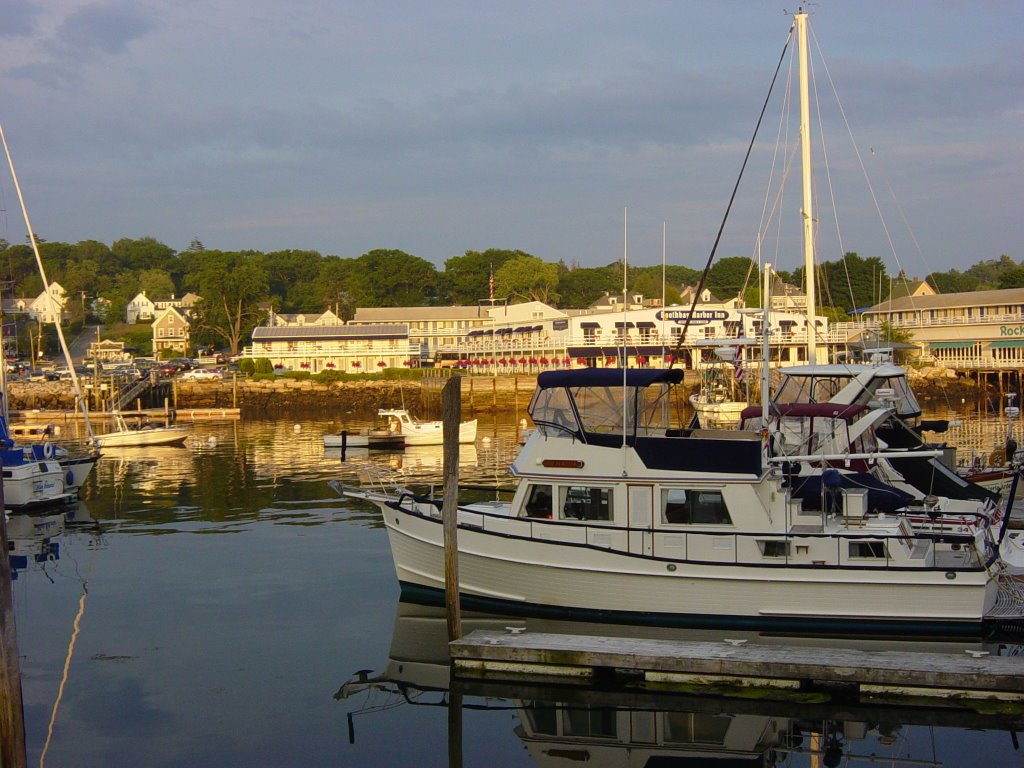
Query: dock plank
x: 490, y: 652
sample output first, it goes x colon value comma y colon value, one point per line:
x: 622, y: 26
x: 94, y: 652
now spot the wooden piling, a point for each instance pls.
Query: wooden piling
x: 12, y: 713
x: 451, y: 410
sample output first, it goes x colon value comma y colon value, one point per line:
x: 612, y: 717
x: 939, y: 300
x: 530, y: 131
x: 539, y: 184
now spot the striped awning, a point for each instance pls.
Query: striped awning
x: 951, y: 344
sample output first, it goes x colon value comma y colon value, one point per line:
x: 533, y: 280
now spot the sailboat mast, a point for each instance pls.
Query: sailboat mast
x: 800, y: 20
x: 46, y: 287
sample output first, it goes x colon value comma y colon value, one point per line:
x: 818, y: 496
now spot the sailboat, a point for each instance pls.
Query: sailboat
x: 75, y: 464
x: 801, y: 522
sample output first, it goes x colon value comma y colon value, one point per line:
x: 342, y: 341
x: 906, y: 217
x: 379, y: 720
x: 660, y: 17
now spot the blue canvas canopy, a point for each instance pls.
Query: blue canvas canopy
x: 609, y: 377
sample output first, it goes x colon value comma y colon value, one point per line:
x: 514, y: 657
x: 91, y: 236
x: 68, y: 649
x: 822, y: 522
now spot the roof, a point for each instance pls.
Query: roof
x: 1000, y: 296
x: 414, y: 314
x: 609, y: 377
x: 303, y: 332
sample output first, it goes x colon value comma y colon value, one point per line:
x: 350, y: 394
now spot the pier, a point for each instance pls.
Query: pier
x: 736, y: 664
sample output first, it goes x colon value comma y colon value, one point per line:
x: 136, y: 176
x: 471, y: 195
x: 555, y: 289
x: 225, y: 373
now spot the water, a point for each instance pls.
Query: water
x: 210, y: 602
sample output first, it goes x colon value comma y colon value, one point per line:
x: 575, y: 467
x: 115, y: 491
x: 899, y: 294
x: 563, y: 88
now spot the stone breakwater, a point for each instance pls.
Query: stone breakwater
x: 363, y: 398
x: 279, y: 396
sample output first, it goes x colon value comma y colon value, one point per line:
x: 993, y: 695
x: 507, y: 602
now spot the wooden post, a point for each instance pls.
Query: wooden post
x: 12, y: 712
x: 454, y: 726
x: 234, y: 389
x: 451, y: 410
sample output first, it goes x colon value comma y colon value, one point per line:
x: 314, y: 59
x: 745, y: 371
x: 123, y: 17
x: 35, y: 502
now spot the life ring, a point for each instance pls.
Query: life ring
x: 47, y: 450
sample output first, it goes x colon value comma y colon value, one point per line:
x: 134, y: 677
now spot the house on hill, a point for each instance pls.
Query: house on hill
x: 170, y: 332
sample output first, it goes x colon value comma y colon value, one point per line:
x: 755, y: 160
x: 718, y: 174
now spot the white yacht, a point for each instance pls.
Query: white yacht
x: 622, y: 515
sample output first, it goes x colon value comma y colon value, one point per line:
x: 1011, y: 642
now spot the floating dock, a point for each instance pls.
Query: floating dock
x: 586, y: 660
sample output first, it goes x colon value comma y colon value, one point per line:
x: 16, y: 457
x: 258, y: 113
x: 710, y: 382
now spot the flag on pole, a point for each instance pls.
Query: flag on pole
x: 490, y: 283
x: 737, y: 364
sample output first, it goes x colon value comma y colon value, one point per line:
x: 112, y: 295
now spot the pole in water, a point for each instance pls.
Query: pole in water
x: 451, y: 415
x: 12, y: 708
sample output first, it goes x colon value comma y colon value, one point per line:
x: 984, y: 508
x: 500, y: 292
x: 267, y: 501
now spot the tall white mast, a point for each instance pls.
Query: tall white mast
x: 800, y: 19
x: 56, y: 310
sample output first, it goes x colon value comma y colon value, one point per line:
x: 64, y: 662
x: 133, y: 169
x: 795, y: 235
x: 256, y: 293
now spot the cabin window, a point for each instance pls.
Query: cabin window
x: 594, y: 723
x: 867, y: 549
x: 695, y: 728
x: 774, y: 548
x: 584, y: 503
x: 693, y: 507
x: 538, y: 501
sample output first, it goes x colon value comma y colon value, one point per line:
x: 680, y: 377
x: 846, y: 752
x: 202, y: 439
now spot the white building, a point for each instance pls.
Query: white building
x: 347, y: 348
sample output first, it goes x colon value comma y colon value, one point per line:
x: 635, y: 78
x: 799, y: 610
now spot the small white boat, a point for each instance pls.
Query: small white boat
x: 415, y: 432
x: 721, y: 398
x: 124, y: 436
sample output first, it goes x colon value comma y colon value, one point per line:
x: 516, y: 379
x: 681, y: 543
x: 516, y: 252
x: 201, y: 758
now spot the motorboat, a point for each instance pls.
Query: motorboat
x: 623, y: 514
x: 123, y: 435
x: 720, y: 400
x: 416, y: 432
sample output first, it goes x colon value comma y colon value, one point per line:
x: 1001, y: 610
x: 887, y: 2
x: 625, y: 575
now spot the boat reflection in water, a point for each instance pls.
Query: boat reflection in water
x: 34, y: 538
x: 627, y: 725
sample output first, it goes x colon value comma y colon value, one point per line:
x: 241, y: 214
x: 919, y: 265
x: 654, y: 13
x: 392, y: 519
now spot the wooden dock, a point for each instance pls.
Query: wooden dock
x: 665, y: 664
x: 153, y: 414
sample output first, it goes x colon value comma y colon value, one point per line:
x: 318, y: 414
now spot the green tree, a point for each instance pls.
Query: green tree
x: 156, y: 283
x: 953, y: 281
x: 144, y: 253
x: 580, y: 287
x: 527, y: 278
x: 391, y: 278
x: 231, y: 286
x: 729, y: 277
x: 467, y: 277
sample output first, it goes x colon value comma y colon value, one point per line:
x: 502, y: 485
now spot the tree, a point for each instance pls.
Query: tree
x: 144, y: 253
x: 728, y: 277
x: 582, y: 286
x: 467, y: 277
x: 156, y: 283
x: 230, y: 286
x: 527, y: 278
x: 953, y: 281
x: 392, y: 278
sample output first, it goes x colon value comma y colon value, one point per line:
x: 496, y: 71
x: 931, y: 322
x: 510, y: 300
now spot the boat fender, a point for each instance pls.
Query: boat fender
x: 69, y: 478
x: 47, y: 450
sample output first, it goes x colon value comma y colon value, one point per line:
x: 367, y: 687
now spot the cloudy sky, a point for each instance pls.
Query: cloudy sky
x: 441, y: 127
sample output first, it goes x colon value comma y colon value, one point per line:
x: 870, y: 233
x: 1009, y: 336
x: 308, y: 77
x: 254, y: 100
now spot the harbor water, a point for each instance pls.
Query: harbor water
x: 218, y: 604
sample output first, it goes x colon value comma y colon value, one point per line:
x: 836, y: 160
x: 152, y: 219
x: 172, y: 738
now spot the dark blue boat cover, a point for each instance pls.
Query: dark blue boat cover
x: 609, y: 377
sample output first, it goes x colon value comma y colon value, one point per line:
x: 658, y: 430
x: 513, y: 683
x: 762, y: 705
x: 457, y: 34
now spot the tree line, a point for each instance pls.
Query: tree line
x: 237, y: 286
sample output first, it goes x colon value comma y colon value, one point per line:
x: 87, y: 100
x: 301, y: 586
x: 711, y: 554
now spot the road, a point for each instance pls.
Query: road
x: 79, y: 346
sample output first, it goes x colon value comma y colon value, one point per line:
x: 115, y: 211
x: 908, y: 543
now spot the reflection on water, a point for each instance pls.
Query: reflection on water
x: 230, y: 592
x: 630, y: 726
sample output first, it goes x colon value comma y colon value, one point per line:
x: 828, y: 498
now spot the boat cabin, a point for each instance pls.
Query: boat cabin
x: 856, y: 384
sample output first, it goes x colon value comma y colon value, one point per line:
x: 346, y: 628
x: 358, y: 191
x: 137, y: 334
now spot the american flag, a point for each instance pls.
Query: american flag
x: 737, y: 364
x: 490, y: 283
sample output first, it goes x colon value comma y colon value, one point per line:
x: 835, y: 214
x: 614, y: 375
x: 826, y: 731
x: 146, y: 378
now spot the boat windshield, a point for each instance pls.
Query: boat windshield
x: 850, y: 387
x: 600, y: 410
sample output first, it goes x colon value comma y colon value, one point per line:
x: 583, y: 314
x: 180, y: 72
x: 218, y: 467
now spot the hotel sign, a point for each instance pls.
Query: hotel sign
x: 1011, y: 330
x: 700, y: 316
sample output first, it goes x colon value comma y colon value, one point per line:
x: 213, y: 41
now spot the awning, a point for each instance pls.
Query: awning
x: 590, y: 325
x: 645, y: 324
x: 620, y: 324
x: 504, y: 330
x: 1007, y: 344
x: 524, y: 329
x: 538, y: 327
x: 951, y: 344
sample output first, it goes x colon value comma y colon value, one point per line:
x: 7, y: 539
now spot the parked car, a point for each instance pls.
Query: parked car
x: 200, y: 374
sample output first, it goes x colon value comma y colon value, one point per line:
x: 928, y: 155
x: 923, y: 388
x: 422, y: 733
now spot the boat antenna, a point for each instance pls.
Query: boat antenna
x: 46, y: 287
x: 714, y: 248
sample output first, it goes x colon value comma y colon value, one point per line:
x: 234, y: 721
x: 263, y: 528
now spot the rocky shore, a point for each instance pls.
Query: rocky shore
x: 284, y: 395
x: 363, y: 398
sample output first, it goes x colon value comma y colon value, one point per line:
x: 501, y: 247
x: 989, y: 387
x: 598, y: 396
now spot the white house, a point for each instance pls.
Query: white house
x: 140, y: 309
x: 48, y: 306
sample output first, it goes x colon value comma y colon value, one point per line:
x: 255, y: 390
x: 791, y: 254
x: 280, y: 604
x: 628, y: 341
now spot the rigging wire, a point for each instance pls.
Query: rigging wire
x: 714, y: 248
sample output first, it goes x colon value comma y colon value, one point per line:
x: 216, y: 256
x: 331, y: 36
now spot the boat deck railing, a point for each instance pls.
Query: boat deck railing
x: 938, y: 548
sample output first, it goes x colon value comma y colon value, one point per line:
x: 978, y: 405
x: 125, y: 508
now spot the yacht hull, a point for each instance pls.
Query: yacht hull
x: 502, y: 571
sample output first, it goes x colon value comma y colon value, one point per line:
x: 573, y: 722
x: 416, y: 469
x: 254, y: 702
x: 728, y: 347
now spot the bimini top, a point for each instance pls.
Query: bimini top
x: 609, y: 377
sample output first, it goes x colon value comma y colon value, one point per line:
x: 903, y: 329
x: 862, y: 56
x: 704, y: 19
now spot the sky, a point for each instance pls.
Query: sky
x: 574, y: 131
